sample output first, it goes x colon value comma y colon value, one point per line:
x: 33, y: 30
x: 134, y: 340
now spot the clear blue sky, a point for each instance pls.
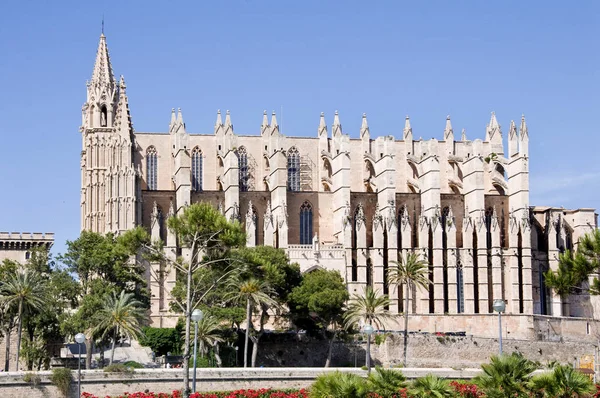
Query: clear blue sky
x: 386, y: 58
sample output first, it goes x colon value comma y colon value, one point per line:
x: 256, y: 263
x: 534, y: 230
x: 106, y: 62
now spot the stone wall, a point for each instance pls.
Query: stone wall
x: 429, y: 351
x: 167, y: 380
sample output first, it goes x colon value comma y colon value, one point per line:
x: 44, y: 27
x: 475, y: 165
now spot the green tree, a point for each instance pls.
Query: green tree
x: 209, y: 334
x: 254, y: 293
x: 575, y: 268
x: 208, y: 236
x: 121, y: 314
x: 408, y: 272
x: 369, y: 308
x: 25, y: 291
x: 163, y: 340
x: 431, y: 386
x: 562, y: 382
x: 271, y: 266
x: 506, y: 376
x: 320, y: 299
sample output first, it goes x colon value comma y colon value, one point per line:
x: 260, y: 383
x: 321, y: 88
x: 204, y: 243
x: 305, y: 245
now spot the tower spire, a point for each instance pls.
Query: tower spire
x: 103, y: 72
x: 407, y: 129
x: 448, y: 132
x: 364, y: 128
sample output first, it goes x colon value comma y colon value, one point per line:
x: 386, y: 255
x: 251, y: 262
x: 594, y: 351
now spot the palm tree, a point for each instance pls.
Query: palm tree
x: 431, y: 386
x: 505, y: 375
x: 208, y: 334
x: 409, y: 271
x: 369, y: 308
x: 562, y: 382
x: 120, y: 314
x: 254, y: 293
x: 24, y: 290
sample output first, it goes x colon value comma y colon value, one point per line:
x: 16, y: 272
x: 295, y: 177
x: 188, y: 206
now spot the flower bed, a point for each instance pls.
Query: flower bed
x: 262, y: 393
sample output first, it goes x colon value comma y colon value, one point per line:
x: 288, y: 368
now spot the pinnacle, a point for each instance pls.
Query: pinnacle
x: 103, y: 72
x: 448, y: 130
x: 407, y: 126
x: 274, y: 120
x: 219, y: 120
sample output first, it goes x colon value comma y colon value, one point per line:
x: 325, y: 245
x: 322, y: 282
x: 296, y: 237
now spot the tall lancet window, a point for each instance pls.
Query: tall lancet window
x: 197, y: 169
x: 243, y: 169
x: 306, y: 224
x: 152, y: 168
x: 293, y: 167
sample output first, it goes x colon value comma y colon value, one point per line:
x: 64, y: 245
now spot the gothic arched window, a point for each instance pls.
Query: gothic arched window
x: 152, y: 168
x: 293, y: 167
x: 243, y: 169
x: 306, y: 224
x: 197, y: 169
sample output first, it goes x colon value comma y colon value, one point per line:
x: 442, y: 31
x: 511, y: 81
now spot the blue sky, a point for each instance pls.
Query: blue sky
x: 386, y: 58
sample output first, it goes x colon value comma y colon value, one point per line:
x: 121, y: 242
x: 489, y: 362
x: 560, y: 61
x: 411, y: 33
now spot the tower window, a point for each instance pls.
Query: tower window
x: 27, y: 255
x: 243, y: 169
x: 293, y: 166
x: 197, y: 170
x: 306, y: 223
x: 152, y: 168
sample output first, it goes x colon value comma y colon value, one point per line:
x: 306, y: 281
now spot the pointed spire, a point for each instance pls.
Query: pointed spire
x: 448, y: 132
x: 512, y: 131
x: 336, y: 127
x: 407, y: 128
x: 103, y: 72
x: 219, y: 121
x: 227, y: 118
x: 364, y: 128
x: 493, y: 131
x: 463, y: 136
x: 523, y: 128
x: 179, y: 116
x: 122, y: 119
x: 173, y: 119
x: 274, y: 120
x: 322, y: 126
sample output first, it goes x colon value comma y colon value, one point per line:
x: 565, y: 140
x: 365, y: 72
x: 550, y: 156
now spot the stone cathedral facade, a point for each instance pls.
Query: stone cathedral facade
x: 353, y: 204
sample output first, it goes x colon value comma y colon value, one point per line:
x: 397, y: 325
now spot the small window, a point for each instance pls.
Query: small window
x: 28, y: 256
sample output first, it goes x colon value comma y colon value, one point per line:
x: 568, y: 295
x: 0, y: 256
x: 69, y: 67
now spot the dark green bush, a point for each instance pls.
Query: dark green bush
x: 162, y: 340
x: 134, y: 365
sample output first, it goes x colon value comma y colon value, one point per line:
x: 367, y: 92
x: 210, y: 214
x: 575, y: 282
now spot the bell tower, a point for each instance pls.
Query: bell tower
x: 109, y: 185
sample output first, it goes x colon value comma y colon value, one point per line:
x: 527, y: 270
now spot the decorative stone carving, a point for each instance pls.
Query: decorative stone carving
x: 377, y: 218
x: 268, y: 218
x: 347, y: 219
x: 360, y: 217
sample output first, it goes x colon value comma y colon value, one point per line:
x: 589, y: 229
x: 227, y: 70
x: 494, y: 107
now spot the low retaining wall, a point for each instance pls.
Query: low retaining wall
x: 166, y: 380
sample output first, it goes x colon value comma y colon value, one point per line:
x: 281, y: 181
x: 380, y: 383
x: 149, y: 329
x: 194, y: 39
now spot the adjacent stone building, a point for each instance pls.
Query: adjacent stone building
x: 18, y: 246
x: 336, y: 202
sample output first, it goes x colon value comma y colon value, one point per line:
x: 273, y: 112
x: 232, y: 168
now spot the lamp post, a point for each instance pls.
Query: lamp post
x: 197, y: 316
x: 79, y: 339
x: 368, y: 330
x: 499, y: 307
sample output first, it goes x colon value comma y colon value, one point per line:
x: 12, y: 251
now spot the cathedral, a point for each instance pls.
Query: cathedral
x: 351, y: 204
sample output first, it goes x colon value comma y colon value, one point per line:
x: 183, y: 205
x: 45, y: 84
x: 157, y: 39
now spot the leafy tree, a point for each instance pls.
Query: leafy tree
x: 320, y: 299
x: 575, y: 268
x: 254, y: 293
x: 120, y: 314
x: 562, y: 382
x: 431, y: 386
x: 369, y: 308
x: 409, y: 271
x: 208, y: 237
x: 506, y: 376
x: 162, y: 340
x: 271, y: 267
x: 25, y: 291
x: 209, y: 334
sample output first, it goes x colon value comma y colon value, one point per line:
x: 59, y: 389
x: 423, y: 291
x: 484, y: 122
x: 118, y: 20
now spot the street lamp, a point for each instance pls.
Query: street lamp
x: 368, y: 330
x: 499, y: 307
x: 79, y: 339
x: 197, y: 316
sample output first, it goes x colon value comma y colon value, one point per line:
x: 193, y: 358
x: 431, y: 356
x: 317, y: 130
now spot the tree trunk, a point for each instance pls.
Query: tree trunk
x: 114, y: 344
x: 101, y: 362
x: 248, y: 315
x: 89, y: 348
x: 7, y: 359
x: 188, y: 313
x: 217, y: 356
x: 19, y: 330
x: 255, y: 341
x: 406, y: 309
x: 330, y: 350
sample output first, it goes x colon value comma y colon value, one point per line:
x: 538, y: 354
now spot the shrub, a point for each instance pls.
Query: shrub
x: 61, y: 378
x: 118, y: 368
x: 386, y: 383
x: 338, y: 385
x: 32, y: 378
x: 134, y: 365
